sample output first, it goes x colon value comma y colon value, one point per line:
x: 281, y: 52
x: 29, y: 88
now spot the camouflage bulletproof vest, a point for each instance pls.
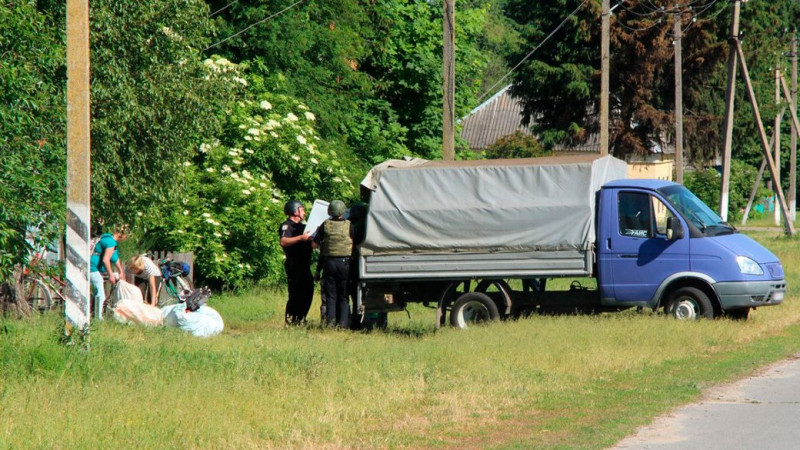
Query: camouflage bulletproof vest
x: 337, y: 241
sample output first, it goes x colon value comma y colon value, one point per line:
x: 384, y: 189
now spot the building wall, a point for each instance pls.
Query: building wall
x: 661, y: 170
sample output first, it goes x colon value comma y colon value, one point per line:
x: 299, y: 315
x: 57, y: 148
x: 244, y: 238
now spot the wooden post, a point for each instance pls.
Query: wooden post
x: 605, y: 67
x: 777, y: 134
x: 448, y: 133
x: 730, y: 95
x: 754, y: 191
x: 793, y: 144
x: 678, y: 100
x: 78, y: 167
x: 792, y: 108
x: 763, y: 136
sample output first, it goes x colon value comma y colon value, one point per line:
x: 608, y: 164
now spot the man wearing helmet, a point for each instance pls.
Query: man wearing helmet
x: 335, y: 240
x: 297, y: 247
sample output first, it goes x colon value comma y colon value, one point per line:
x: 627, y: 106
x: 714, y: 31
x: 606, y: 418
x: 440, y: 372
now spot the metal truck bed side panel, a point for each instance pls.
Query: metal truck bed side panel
x: 427, y: 266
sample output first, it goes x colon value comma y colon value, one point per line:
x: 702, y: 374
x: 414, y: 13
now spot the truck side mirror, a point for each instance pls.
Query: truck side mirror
x: 674, y: 229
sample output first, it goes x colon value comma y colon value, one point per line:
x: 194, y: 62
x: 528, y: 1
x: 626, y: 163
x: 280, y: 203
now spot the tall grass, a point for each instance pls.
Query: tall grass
x: 563, y: 381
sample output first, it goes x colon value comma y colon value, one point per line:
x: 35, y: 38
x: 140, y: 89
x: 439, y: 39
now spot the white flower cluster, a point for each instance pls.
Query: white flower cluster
x: 170, y: 33
x: 207, y: 147
x: 210, y: 219
x: 220, y: 65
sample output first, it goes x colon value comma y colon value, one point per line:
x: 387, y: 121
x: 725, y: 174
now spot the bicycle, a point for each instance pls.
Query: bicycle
x: 38, y: 286
x: 172, y: 283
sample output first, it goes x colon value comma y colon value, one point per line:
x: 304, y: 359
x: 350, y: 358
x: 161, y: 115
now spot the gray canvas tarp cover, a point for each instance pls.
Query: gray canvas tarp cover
x: 534, y: 204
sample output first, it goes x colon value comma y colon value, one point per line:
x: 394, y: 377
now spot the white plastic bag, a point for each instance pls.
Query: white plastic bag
x: 129, y: 307
x: 205, y: 322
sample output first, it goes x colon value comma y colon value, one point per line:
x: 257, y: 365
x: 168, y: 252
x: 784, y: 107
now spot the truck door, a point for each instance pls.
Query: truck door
x: 641, y: 256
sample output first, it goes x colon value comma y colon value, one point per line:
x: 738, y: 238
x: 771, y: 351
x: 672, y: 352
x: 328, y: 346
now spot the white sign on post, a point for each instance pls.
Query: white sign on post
x: 317, y: 215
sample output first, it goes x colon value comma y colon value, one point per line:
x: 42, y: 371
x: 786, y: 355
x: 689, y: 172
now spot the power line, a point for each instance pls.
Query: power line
x: 222, y: 9
x: 257, y: 23
x: 532, y: 51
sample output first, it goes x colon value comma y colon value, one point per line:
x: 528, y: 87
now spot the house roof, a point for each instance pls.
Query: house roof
x: 501, y: 116
x: 495, y: 118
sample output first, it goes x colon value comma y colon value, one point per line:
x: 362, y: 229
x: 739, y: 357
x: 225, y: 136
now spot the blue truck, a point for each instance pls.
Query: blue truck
x: 479, y: 240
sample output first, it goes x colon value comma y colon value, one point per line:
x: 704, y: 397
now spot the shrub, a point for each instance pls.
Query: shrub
x: 706, y: 185
x: 237, y: 185
x: 517, y: 145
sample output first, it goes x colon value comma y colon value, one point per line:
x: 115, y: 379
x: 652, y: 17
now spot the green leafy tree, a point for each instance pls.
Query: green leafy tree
x: 565, y: 70
x: 557, y: 86
x: 268, y: 152
x: 314, y: 51
x: 705, y: 184
x: 153, y: 102
x: 517, y: 145
x: 371, y: 70
x: 406, y: 63
x: 32, y: 119
x: 766, y: 29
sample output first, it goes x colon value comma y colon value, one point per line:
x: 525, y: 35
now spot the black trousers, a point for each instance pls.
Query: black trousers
x: 301, y: 291
x: 336, y: 273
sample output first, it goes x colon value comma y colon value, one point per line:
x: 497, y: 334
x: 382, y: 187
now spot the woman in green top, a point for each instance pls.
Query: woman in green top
x: 104, y: 255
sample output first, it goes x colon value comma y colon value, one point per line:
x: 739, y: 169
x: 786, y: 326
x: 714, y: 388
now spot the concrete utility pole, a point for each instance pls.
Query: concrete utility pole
x: 605, y: 67
x: 78, y: 154
x: 730, y: 95
x: 448, y: 134
x: 678, y: 99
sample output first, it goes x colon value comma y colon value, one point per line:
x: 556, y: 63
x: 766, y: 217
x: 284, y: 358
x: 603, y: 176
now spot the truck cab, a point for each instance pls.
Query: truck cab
x: 658, y: 245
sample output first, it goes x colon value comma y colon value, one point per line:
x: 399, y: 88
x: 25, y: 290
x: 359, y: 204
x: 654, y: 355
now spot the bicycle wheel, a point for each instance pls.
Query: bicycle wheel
x: 169, y: 291
x: 37, y: 294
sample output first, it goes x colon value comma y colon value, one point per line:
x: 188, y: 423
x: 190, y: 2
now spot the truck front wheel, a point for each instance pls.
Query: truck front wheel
x: 688, y: 303
x: 473, y: 307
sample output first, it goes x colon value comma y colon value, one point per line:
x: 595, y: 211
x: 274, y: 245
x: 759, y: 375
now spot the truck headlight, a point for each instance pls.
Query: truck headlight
x: 748, y: 266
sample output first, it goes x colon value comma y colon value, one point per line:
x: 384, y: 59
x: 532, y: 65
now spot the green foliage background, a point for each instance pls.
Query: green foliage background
x: 368, y: 72
x: 32, y: 120
x: 705, y: 184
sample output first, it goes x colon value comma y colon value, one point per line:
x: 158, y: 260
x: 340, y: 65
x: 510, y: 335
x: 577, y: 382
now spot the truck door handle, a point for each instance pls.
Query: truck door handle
x: 628, y: 255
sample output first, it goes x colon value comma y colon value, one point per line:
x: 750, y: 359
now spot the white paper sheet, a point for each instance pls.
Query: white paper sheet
x: 317, y: 215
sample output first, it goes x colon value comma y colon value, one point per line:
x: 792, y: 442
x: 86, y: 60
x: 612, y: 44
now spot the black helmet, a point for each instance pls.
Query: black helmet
x: 291, y: 207
x: 336, y: 208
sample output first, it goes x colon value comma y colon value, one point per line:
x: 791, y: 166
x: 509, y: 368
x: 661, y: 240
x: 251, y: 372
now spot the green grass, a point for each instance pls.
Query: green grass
x: 542, y: 382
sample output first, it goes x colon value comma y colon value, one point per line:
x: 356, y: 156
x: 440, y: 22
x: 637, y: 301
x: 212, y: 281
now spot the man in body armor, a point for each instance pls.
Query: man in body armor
x: 297, y: 247
x: 335, y: 241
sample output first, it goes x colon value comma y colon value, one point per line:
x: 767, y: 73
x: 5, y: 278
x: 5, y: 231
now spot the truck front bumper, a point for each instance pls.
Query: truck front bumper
x: 750, y: 294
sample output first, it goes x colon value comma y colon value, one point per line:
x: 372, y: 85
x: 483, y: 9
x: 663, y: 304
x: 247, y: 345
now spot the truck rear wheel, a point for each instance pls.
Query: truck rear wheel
x: 688, y: 303
x: 472, y: 308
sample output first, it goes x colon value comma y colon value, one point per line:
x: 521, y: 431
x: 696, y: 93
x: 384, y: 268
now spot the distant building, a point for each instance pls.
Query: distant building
x: 496, y: 118
x: 501, y: 116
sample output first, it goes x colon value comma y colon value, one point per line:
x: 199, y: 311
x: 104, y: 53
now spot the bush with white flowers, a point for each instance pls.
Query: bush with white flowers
x: 238, y: 183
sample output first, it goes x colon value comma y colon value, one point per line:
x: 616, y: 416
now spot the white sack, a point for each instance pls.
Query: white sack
x: 205, y: 322
x: 129, y: 306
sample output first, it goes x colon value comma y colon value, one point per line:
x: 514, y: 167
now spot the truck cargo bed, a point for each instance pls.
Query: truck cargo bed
x: 427, y: 266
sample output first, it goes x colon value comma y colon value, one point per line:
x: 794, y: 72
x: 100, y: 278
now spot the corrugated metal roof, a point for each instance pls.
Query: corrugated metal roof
x: 500, y: 116
x: 497, y: 117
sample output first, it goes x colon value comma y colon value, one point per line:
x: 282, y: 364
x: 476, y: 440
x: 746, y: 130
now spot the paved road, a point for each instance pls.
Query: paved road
x: 762, y: 412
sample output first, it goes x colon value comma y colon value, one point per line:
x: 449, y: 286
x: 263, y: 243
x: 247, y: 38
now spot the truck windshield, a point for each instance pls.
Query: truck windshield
x: 695, y: 211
